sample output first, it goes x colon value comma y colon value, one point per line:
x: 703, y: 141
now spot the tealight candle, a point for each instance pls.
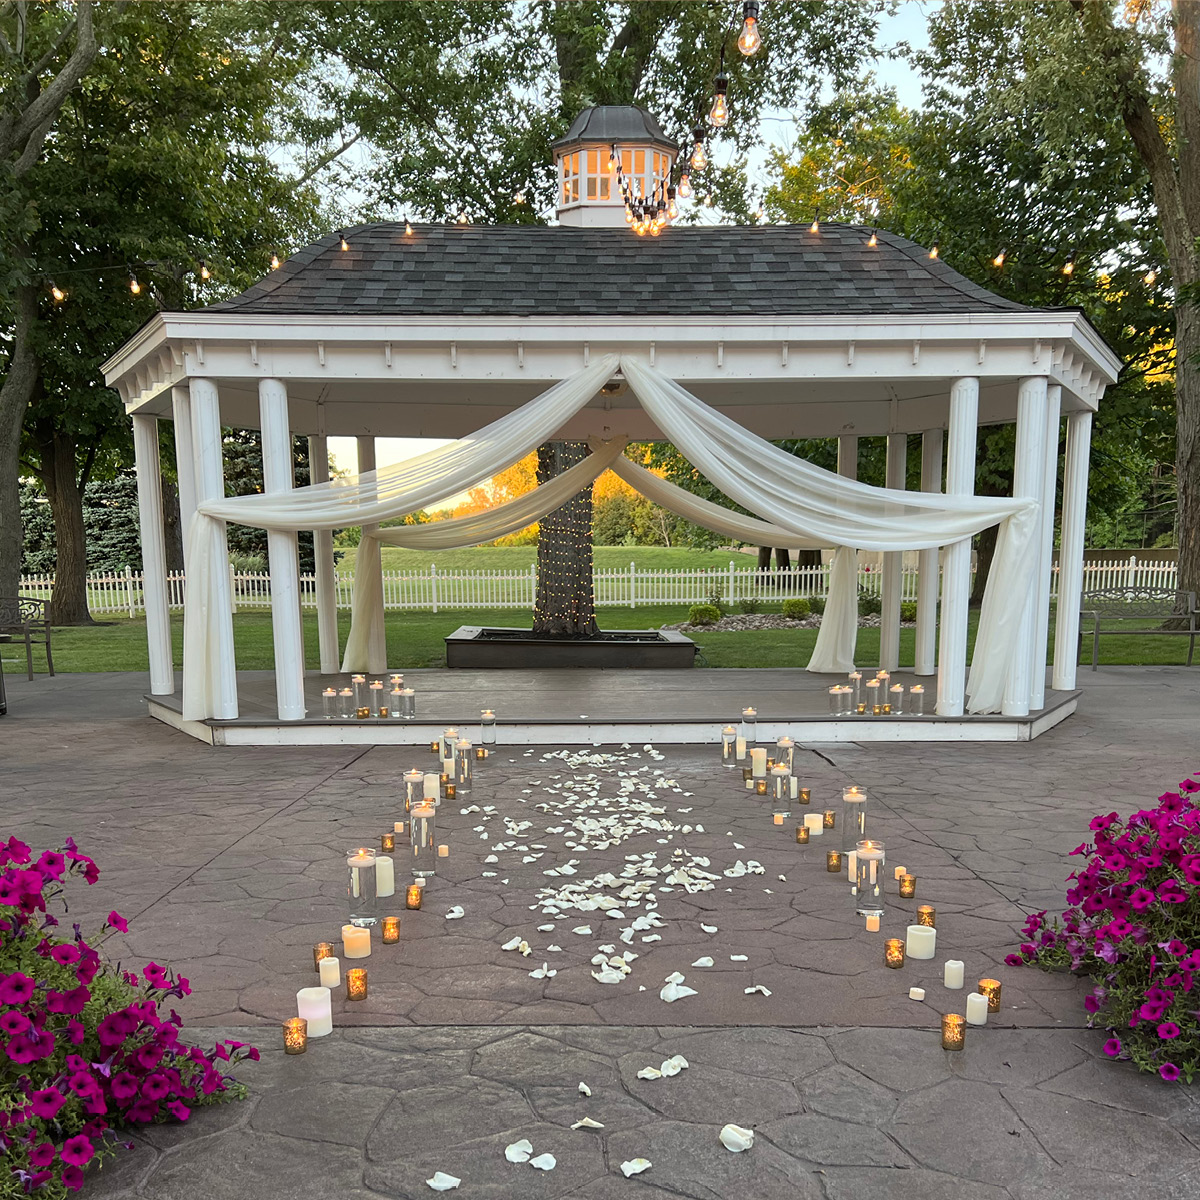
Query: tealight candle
x: 315, y: 1006
x: 872, y: 922
x: 387, y: 842
x: 331, y: 972
x: 412, y: 896
x: 356, y: 941
x: 921, y: 942
x: 977, y: 1009
x: 444, y: 850
x: 295, y: 1035
x: 780, y: 817
x: 356, y: 983
x: 321, y: 950
x: 828, y: 818
x: 391, y: 930
x: 927, y: 915
x: 893, y: 953
x: 954, y: 1030
x: 802, y: 835
x: 908, y: 886
x: 952, y: 973
x: 385, y: 874
x: 991, y: 989
x: 833, y: 861
x: 916, y: 993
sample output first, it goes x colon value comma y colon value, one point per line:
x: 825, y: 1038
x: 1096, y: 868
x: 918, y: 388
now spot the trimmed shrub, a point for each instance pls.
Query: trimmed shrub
x: 796, y: 610
x: 816, y: 604
x: 908, y: 610
x: 869, y: 605
x: 749, y: 605
x: 703, y: 614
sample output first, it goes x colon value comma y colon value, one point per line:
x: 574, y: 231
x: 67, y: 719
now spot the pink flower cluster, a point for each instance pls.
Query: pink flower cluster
x: 83, y: 1049
x: 1132, y: 926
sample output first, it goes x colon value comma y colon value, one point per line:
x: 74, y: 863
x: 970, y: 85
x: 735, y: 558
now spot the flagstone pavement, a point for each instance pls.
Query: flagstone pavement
x: 229, y: 864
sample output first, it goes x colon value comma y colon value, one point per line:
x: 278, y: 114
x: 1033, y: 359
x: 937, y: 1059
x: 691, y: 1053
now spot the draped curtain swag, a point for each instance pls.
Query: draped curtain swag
x: 797, y: 504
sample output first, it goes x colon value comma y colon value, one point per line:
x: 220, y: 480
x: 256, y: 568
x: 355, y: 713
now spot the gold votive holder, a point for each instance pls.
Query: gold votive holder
x: 295, y: 1035
x: 908, y: 886
x: 927, y: 915
x: 760, y: 787
x: 991, y: 989
x: 321, y: 950
x: 435, y: 747
x: 391, y: 930
x: 860, y: 709
x: 828, y: 818
x: 362, y: 712
x: 450, y: 791
x: 747, y: 774
x: 412, y: 896
x: 887, y: 709
x: 876, y: 710
x: 833, y: 861
x: 481, y: 753
x: 802, y: 835
x: 444, y: 778
x: 805, y: 795
x: 383, y: 710
x: 356, y: 983
x: 770, y: 763
x: 893, y: 953
x: 387, y: 842
x: 954, y: 1031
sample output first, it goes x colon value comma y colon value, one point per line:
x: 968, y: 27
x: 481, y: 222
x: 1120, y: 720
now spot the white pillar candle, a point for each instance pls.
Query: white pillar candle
x: 331, y: 972
x: 758, y: 762
x: 385, y: 876
x: 741, y: 748
x: 315, y: 1006
x: 872, y: 922
x: 852, y: 865
x: 815, y: 824
x: 977, y: 1009
x: 356, y: 942
x: 900, y: 871
x: 795, y: 788
x: 952, y: 974
x: 400, y: 827
x: 921, y: 941
x: 433, y: 786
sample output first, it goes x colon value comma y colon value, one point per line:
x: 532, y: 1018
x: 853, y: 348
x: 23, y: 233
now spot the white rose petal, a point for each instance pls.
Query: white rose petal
x: 709, y: 928
x: 649, y: 1073
x: 703, y: 962
x: 584, y: 1090
x: 675, y: 991
x: 582, y: 930
x: 441, y: 1182
x: 456, y: 913
x: 635, y: 1166
x: 758, y: 987
x: 545, y: 929
x: 511, y: 944
x: 544, y: 1162
x: 739, y: 957
x: 519, y: 1152
x: 587, y: 1123
x: 736, y: 1139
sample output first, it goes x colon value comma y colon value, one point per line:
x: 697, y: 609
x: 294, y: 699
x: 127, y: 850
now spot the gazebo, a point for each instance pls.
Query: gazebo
x: 398, y: 330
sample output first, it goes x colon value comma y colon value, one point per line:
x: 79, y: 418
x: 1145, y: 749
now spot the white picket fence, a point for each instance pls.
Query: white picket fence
x: 121, y: 592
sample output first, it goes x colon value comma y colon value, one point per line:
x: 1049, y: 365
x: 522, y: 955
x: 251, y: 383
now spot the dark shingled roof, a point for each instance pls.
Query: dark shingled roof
x: 537, y: 270
x: 615, y: 123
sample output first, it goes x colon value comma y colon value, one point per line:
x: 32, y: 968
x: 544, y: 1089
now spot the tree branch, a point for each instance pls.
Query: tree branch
x: 326, y: 159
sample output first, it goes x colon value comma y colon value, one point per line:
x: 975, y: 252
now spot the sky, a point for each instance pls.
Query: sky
x: 906, y: 24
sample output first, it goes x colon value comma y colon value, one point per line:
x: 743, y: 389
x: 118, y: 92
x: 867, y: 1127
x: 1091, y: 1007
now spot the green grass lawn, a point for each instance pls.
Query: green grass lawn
x: 519, y: 558
x: 415, y: 640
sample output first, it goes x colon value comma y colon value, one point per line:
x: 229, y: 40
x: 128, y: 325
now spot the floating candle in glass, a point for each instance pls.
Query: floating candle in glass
x: 395, y: 698
x: 896, y: 696
x: 871, y: 696
x: 829, y: 819
x: 802, y: 835
x: 414, y: 788
x: 329, y: 702
x: 356, y: 983
x: 464, y: 766
x: 977, y: 1009
x: 356, y: 942
x: 295, y: 1035
x: 412, y: 896
x: 854, y: 817
x: 952, y: 974
x: 331, y: 972
x: 346, y: 703
x: 407, y: 708
x: 395, y: 680
x: 954, y: 1031
x: 422, y: 833
x: 747, y: 731
x: 315, y: 1006
x: 447, y: 744
x: 360, y: 885
x: 729, y: 755
x: 991, y: 989
x: 856, y: 686
x: 362, y: 699
x: 835, y: 701
x: 908, y: 886
x: 927, y: 915
x: 487, y: 727
x: 375, y: 692
x: 785, y: 752
x: 387, y: 842
x: 391, y: 930
x: 921, y: 942
x: 893, y: 953
x: 321, y: 950
x: 916, y: 701
x: 870, y: 856
x: 781, y: 786
x: 833, y: 861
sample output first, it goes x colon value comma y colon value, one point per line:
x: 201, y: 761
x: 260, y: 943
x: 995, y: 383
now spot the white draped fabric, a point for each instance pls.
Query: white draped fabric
x: 799, y: 505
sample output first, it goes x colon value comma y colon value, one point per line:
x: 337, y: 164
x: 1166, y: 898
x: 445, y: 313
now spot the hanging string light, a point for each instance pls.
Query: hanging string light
x: 57, y: 292
x: 718, y: 114
x: 672, y: 207
x: 1149, y: 277
x: 274, y: 261
x: 815, y: 227
x: 1069, y: 266
x: 345, y: 245
x: 134, y: 286
x: 685, y: 186
x: 873, y: 240
x: 699, y: 159
x: 934, y: 250
x: 749, y: 40
x: 998, y: 261
x: 407, y: 227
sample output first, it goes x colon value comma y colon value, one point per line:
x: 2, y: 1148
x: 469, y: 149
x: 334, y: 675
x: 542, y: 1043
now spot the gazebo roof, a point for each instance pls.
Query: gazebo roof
x: 604, y: 124
x: 535, y: 270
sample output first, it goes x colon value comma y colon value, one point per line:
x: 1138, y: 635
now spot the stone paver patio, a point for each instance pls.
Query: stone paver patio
x: 228, y: 864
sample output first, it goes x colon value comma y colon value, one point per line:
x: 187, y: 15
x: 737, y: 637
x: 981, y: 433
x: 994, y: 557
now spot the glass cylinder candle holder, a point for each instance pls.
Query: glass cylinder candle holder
x: 406, y: 709
x: 449, y: 740
x: 387, y: 842
x: 378, y: 703
x: 422, y: 832
x: 356, y: 983
x: 394, y: 700
x: 729, y: 746
x: 802, y: 835
x: 747, y: 731
x: 871, y: 695
x: 896, y: 696
x: 295, y: 1035
x: 781, y: 786
x: 361, y: 698
x: 414, y: 785
x: 321, y: 950
x: 748, y: 778
x: 412, y: 896
x: 360, y: 887
x: 916, y: 701
x: 785, y: 752
x: 883, y: 677
x: 464, y: 767
x: 487, y: 727
x: 391, y: 930
x: 908, y: 886
x: 954, y: 1031
x: 760, y: 787
x: 847, y: 699
x: 829, y: 819
x: 870, y: 857
x: 835, y: 701
x: 346, y: 703
x: 329, y: 703
x: 855, y: 685
x: 991, y: 989
x: 893, y: 953
x: 927, y: 915
x: 395, y: 680
x: 854, y: 817
x: 833, y: 861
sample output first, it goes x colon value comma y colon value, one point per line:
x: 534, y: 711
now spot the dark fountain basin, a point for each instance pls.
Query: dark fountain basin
x: 479, y: 648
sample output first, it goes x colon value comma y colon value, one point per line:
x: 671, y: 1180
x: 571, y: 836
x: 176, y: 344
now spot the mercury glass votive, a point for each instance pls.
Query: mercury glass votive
x: 927, y: 915
x: 954, y: 1031
x: 893, y: 953
x: 908, y: 886
x: 802, y: 835
x: 760, y: 787
x: 729, y: 746
x: 451, y: 791
x: 356, y: 983
x: 412, y: 896
x: 321, y: 950
x: 481, y: 753
x: 860, y: 708
x: 833, y: 861
x: 387, y: 842
x: 346, y: 703
x: 295, y: 1035
x: 464, y: 766
x: 422, y: 832
x: 805, y: 796
x: 360, y: 886
x: 329, y: 704
x: 991, y: 989
x: 829, y: 819
x: 436, y: 747
x: 487, y: 727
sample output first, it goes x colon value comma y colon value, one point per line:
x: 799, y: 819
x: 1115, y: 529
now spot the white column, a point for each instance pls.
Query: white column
x: 1070, y: 552
x: 154, y: 555
x: 1029, y: 467
x: 956, y: 560
x: 847, y: 458
x: 279, y: 478
x: 377, y: 644
x: 1041, y: 611
x: 327, y: 627
x: 210, y: 485
x: 893, y: 562
x: 925, y: 662
x: 185, y: 458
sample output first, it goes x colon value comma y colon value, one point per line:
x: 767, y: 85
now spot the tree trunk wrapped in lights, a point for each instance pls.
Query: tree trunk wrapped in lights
x: 565, y: 605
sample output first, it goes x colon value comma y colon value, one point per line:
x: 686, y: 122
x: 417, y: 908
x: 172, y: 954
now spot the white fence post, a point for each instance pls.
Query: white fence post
x: 129, y: 591
x: 433, y: 584
x: 731, y: 581
x: 633, y: 585
x: 1131, y: 573
x: 233, y: 592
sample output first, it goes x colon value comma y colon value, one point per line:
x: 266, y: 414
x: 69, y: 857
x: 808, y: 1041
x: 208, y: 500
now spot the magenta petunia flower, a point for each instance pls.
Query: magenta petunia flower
x: 155, y: 975
x: 118, y: 922
x: 16, y: 988
x: 47, y: 1102
x: 155, y: 1087
x: 1014, y: 960
x: 1112, y: 1047
x: 13, y: 1022
x: 72, y: 1178
x: 65, y: 955
x: 1141, y: 898
x: 77, y: 1151
x: 124, y: 1086
x: 179, y: 1109
x: 1169, y: 1071
x: 51, y: 863
x: 42, y: 1155
x: 1168, y: 1030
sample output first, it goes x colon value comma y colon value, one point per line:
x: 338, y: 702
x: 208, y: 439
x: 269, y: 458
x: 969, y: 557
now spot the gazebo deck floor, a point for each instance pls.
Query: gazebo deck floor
x: 602, y: 707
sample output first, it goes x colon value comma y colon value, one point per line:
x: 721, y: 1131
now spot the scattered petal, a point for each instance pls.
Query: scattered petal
x: 675, y: 991
x: 587, y: 1123
x: 709, y: 928
x: 635, y: 1166
x: 582, y: 930
x: 511, y: 944
x: 544, y: 1162
x: 519, y: 1152
x: 739, y: 958
x: 584, y: 1090
x: 456, y: 913
x: 649, y: 1073
x: 441, y: 1182
x: 703, y: 962
x: 758, y: 987
x: 736, y: 1139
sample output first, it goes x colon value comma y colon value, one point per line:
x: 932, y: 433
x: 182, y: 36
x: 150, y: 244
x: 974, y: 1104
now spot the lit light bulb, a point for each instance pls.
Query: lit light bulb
x: 760, y: 213
x: 463, y: 219
x: 274, y: 261
x: 1149, y: 277
x: 612, y: 156
x: 1069, y: 266
x: 749, y: 40
x: 57, y: 292
x: 873, y: 240
x: 684, y: 190
x: 708, y: 200
x: 699, y: 158
x: 934, y: 250
x: 998, y: 261
x: 672, y: 207
x: 134, y: 286
x: 205, y: 273
x: 718, y: 115
x: 345, y: 245
x: 628, y: 215
x: 407, y: 227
